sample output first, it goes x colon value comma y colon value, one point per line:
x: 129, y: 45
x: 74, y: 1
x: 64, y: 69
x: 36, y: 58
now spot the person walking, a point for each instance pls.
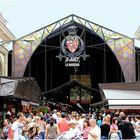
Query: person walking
x: 127, y: 129
x: 17, y: 127
x: 86, y: 129
x: 114, y: 132
x: 137, y: 127
x: 105, y: 128
x: 5, y: 130
x: 52, y: 130
x: 73, y: 134
x: 95, y: 131
x: 63, y: 124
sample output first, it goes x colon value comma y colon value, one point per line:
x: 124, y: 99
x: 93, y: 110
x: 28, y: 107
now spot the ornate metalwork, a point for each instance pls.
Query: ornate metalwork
x: 122, y: 46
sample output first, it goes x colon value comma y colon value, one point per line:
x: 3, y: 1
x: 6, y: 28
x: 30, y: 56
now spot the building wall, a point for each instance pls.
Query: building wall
x: 137, y: 36
x: 3, y: 61
x: 5, y: 37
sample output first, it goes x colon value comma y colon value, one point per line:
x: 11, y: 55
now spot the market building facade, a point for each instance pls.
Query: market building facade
x: 74, y: 50
x: 5, y: 36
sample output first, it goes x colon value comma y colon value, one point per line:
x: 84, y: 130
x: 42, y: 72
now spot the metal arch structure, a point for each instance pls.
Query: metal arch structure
x: 122, y: 46
x: 1, y: 68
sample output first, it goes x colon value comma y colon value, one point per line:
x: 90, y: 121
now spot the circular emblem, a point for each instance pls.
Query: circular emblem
x: 72, y: 46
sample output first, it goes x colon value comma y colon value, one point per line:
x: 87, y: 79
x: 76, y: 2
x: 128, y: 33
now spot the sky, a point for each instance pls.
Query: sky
x: 26, y: 16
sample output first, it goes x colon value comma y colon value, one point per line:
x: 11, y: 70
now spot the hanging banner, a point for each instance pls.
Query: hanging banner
x: 74, y: 95
x: 85, y: 97
x: 80, y: 95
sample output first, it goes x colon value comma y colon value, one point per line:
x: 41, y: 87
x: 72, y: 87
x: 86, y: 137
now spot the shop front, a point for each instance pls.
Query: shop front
x: 18, y: 94
x: 121, y: 96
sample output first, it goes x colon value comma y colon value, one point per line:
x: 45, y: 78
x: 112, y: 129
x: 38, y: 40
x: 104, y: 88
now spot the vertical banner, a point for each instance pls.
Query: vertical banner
x: 78, y: 94
x: 74, y: 95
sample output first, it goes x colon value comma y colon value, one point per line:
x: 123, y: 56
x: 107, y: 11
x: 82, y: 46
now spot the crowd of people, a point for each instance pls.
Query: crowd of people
x: 74, y: 126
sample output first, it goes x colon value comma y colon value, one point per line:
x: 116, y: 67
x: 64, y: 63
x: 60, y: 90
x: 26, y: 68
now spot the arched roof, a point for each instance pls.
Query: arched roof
x: 122, y: 46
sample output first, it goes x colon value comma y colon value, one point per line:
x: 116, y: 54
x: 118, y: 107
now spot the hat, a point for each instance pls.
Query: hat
x: 72, y: 122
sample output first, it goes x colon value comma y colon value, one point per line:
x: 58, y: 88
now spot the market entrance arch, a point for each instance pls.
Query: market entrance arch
x: 112, y: 55
x: 100, y: 67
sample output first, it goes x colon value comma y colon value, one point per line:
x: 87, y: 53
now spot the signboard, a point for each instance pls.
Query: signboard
x: 72, y: 48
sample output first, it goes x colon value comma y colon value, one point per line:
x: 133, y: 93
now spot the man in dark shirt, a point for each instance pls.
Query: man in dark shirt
x: 127, y: 129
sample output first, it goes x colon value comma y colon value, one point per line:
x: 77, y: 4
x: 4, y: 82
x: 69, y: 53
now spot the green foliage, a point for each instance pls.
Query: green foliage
x: 41, y: 109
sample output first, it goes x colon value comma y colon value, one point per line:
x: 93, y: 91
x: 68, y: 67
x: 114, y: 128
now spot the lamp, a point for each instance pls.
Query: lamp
x: 91, y: 98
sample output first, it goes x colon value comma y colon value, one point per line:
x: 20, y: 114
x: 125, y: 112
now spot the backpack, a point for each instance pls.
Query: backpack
x: 114, y: 136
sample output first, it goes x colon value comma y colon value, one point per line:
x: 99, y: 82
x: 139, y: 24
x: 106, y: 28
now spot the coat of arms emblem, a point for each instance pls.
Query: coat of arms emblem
x: 72, y: 44
x: 72, y: 48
